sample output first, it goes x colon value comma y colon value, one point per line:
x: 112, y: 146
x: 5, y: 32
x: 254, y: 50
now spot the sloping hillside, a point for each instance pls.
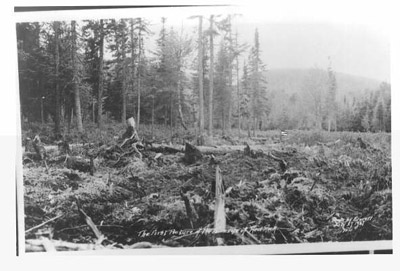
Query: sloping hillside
x: 291, y: 81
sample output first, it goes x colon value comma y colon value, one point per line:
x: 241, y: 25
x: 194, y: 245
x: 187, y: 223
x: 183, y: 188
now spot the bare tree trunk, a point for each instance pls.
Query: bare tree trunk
x: 200, y: 74
x: 123, y: 90
x: 77, y: 98
x: 101, y: 78
x: 41, y: 110
x: 93, y: 111
x: 248, y: 127
x: 70, y: 114
x: 57, y: 118
x: 152, y: 115
x: 254, y: 125
x: 335, y: 123
x: 229, y: 76
x: 238, y: 87
x: 138, y: 72
x: 329, y: 124
x: 132, y: 56
x: 180, y: 105
x: 211, y: 71
x: 170, y: 112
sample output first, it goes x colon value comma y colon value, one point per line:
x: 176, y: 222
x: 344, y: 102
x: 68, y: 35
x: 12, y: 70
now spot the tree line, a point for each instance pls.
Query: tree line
x: 71, y: 73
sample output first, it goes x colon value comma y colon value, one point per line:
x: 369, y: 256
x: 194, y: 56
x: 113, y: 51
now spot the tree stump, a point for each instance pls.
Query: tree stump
x: 192, y: 154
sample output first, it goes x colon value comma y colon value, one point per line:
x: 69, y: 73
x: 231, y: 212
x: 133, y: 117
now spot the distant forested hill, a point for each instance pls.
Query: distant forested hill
x: 291, y: 81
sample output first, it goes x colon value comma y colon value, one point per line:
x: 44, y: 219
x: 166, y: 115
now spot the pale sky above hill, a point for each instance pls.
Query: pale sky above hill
x: 357, y: 49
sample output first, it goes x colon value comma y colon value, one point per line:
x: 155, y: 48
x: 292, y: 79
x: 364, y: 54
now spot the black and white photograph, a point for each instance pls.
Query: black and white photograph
x: 172, y: 129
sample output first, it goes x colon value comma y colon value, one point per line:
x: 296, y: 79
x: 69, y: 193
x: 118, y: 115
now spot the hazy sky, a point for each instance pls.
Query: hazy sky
x: 355, y: 49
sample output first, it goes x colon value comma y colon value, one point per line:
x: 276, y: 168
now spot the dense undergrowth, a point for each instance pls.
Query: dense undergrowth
x: 338, y: 191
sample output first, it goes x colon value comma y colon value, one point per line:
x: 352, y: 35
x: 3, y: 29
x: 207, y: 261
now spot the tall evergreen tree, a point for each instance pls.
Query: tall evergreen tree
x: 257, y: 84
x: 100, y: 76
x: 57, y: 117
x: 77, y: 99
x: 200, y: 74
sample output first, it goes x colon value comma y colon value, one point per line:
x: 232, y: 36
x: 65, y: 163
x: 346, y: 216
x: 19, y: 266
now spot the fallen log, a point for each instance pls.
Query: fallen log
x: 39, y: 245
x: 224, y: 149
x: 74, y: 162
x: 52, y: 148
x: 172, y: 149
x: 162, y: 148
x: 43, y: 245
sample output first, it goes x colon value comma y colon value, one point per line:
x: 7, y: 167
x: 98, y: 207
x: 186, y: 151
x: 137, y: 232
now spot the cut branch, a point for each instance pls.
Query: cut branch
x: 100, y: 237
x: 44, y: 223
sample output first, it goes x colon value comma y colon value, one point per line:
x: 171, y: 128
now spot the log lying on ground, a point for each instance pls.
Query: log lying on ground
x: 172, y: 149
x: 74, y: 162
x: 163, y: 148
x: 42, y: 245
x: 51, y: 148
x: 39, y: 245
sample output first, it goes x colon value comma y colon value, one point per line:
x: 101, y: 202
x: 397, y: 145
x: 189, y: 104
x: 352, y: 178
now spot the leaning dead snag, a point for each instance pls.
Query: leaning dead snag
x: 191, y: 213
x: 100, y: 237
x: 219, y: 213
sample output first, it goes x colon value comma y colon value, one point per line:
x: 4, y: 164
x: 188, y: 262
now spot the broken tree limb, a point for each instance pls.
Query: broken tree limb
x: 328, y: 144
x: 282, y: 163
x: 44, y: 223
x: 135, y: 149
x: 38, y: 245
x: 100, y: 237
x: 219, y: 213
